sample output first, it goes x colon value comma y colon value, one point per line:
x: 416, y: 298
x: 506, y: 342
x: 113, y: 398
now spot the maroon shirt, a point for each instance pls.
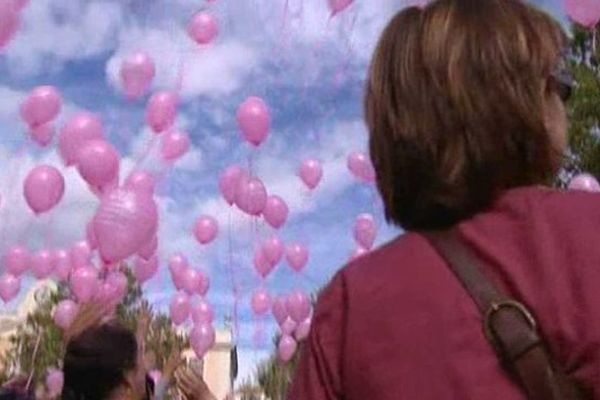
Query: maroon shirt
x: 397, y: 324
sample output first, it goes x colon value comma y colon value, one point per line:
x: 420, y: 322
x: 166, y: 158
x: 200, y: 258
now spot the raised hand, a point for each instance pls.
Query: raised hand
x: 192, y: 386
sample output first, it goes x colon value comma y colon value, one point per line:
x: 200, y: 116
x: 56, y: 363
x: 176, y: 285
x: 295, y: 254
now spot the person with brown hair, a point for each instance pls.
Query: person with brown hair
x: 492, y: 292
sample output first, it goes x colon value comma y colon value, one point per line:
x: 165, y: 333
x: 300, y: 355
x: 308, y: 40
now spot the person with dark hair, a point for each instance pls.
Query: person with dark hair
x: 492, y: 292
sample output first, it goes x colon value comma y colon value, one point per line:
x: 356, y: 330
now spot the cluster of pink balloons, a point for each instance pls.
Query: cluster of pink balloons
x: 585, y: 12
x: 39, y: 110
x: 293, y: 315
x: 10, y: 19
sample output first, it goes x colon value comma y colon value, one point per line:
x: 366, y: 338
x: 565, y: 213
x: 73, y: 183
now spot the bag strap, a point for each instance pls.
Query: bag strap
x: 508, y: 324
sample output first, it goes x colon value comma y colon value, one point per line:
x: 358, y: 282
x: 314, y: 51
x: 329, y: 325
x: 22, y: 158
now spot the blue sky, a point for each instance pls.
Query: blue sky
x: 309, y: 68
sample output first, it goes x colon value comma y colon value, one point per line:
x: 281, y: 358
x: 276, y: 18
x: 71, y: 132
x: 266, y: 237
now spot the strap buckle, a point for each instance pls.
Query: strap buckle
x: 497, y: 306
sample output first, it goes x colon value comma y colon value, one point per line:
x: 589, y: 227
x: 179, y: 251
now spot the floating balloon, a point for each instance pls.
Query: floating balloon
x: 106, y: 294
x: 298, y: 306
x: 62, y: 265
x: 10, y: 20
x: 251, y: 196
x: 42, y: 134
x: 175, y: 144
x: 137, y: 73
x: 41, y: 106
x: 98, y: 163
x: 119, y: 281
x: 261, y: 264
x: 65, y: 313
x: 361, y: 167
x: 125, y: 221
x: 229, y: 182
x: 16, y: 260
x: 142, y: 182
x: 202, y: 313
x: 276, y: 211
x: 178, y: 264
x: 254, y: 119
x: 10, y: 286
x: 203, y: 28
x: 302, y: 330
x: 279, y: 309
x: 149, y: 249
x: 288, y: 327
x: 206, y: 229
x: 81, y: 254
x: 337, y: 6
x: 204, y: 284
x: 358, y: 253
x: 191, y: 281
x: 261, y: 302
x: 585, y: 12
x: 365, y: 231
x: 44, y: 188
x: 311, y: 173
x: 84, y: 283
x: 273, y: 250
x: 42, y: 264
x: 297, y: 256
x: 180, y: 308
x: 79, y: 130
x: 585, y: 182
x: 90, y: 236
x: 202, y: 339
x: 144, y: 269
x: 287, y: 348
x: 162, y: 111
x: 54, y: 383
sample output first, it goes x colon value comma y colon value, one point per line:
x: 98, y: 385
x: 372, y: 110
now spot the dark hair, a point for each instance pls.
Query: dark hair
x: 455, y: 107
x: 96, y: 362
x: 16, y: 389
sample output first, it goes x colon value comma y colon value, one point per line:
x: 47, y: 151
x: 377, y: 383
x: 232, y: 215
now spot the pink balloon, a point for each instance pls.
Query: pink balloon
x: 180, y: 308
x: 42, y: 134
x: 297, y: 256
x: 44, y: 188
x: 251, y: 196
x: 124, y: 223
x: 119, y: 281
x: 90, y: 236
x: 54, y: 382
x: 137, y: 73
x: 584, y: 12
x: 42, y: 264
x: 358, y: 253
x: 276, y: 211
x: 311, y: 173
x: 365, y: 231
x: 261, y: 302
x: 191, y: 281
x: 279, y: 309
x: 144, y: 270
x: 202, y: 313
x: 10, y: 20
x: 584, y: 182
x: 106, y: 294
x: 273, y: 250
x: 156, y: 376
x: 98, y: 163
x: 10, y: 286
x: 41, y: 106
x: 204, y: 284
x: 287, y: 348
x: 303, y: 330
x: 178, y: 264
x: 62, y: 265
x: 16, y: 260
x: 261, y: 264
x: 202, y: 339
x: 79, y: 130
x: 229, y: 182
x: 84, y: 283
x: 175, y: 144
x: 20, y: 4
x: 65, y: 313
x: 149, y: 249
x: 206, y: 229
x: 361, y: 167
x: 298, y: 306
x: 288, y: 326
x: 162, y: 111
x: 203, y: 28
x: 254, y: 119
x: 141, y: 181
x: 81, y: 254
x: 337, y: 6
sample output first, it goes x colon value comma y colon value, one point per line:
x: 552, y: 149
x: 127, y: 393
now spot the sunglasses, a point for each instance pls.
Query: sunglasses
x: 564, y: 83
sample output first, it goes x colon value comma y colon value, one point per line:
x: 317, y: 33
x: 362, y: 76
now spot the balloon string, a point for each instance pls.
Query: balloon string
x: 232, y: 274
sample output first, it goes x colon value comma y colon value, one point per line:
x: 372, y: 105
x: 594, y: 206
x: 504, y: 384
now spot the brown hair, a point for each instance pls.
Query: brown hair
x: 454, y: 106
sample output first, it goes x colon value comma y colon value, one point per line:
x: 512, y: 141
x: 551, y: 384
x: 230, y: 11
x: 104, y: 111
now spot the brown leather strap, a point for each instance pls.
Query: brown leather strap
x: 508, y: 324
